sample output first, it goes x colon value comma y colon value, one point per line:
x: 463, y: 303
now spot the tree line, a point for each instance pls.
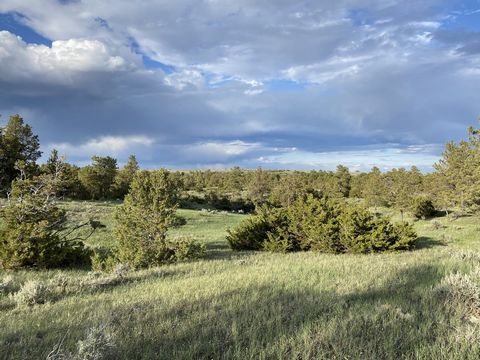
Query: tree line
x: 455, y: 183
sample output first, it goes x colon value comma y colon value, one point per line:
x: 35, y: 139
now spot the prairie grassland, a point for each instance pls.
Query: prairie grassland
x: 252, y: 305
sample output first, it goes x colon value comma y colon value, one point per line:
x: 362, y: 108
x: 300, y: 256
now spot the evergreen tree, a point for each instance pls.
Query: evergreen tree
x: 374, y: 191
x: 235, y: 179
x: 98, y: 178
x: 125, y: 176
x: 142, y: 221
x: 459, y: 170
x: 259, y: 187
x: 343, y: 178
x: 36, y: 232
x: 19, y: 149
x: 51, y: 165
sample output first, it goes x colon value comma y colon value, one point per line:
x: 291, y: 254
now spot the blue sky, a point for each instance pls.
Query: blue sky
x: 218, y: 83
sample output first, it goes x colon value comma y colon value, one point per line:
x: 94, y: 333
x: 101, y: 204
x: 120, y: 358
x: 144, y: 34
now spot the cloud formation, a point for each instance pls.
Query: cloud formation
x: 228, y: 82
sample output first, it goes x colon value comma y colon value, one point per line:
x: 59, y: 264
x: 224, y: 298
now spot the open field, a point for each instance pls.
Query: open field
x: 249, y: 305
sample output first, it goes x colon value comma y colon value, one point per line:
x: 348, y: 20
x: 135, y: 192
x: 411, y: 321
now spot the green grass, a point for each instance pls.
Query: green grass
x: 251, y: 305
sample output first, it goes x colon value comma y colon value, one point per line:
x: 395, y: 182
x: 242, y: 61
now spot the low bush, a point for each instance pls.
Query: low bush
x: 177, y: 221
x: 103, y: 259
x: 422, y: 208
x: 320, y: 224
x: 32, y: 293
x: 98, y: 344
x: 186, y: 249
x: 217, y: 201
x: 466, y: 255
x: 463, y: 289
x: 252, y: 232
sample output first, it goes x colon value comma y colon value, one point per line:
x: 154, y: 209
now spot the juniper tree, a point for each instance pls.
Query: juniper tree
x: 36, y: 232
x: 142, y: 221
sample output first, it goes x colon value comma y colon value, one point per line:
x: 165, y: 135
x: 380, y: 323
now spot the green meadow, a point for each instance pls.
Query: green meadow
x: 256, y: 305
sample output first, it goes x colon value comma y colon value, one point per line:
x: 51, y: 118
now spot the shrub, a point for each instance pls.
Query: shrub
x: 314, y: 223
x: 361, y: 232
x: 98, y: 344
x: 31, y: 293
x: 252, y: 232
x: 422, y: 208
x: 185, y: 249
x: 36, y: 232
x: 59, y: 283
x: 121, y: 270
x: 178, y: 221
x: 466, y: 255
x: 229, y: 203
x: 103, y: 260
x: 141, y: 223
x: 437, y: 225
x: 320, y: 224
x: 463, y: 289
x: 278, y: 241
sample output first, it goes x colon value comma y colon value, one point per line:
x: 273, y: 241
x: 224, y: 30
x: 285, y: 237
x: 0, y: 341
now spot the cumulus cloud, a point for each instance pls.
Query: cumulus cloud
x: 72, y: 54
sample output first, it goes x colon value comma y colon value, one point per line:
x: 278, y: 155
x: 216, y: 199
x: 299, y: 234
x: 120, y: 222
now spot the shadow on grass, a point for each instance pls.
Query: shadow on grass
x: 397, y: 318
x: 389, y: 321
x: 220, y: 250
x: 425, y: 242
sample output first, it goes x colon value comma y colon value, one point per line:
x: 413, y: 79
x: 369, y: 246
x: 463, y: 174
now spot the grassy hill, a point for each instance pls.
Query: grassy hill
x: 251, y: 305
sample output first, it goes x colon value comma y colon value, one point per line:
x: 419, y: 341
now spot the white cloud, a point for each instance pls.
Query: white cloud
x: 55, y: 63
x: 105, y: 145
x: 361, y: 159
x: 185, y: 78
x: 219, y: 150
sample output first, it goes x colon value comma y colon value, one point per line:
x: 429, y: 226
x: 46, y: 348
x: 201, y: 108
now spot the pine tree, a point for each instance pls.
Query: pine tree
x: 343, y: 178
x: 374, y: 191
x: 19, y: 149
x: 259, y: 187
x: 125, y: 176
x: 459, y: 171
x: 98, y: 178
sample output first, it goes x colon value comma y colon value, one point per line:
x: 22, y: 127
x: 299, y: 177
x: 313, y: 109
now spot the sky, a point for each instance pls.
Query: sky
x: 281, y: 84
